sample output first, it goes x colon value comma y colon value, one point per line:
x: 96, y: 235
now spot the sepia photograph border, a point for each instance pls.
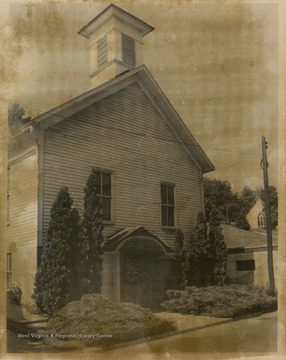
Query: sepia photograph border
x: 6, y: 93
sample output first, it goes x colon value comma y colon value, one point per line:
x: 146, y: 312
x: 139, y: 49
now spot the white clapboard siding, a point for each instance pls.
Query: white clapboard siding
x: 125, y: 134
x: 19, y: 143
x: 23, y: 193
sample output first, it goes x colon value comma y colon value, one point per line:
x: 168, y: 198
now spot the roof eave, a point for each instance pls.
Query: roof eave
x: 187, y: 138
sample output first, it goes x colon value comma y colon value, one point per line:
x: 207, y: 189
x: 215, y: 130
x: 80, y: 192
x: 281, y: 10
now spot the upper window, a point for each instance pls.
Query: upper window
x: 167, y: 205
x: 102, y: 57
x: 9, y: 270
x: 104, y: 192
x: 128, y: 50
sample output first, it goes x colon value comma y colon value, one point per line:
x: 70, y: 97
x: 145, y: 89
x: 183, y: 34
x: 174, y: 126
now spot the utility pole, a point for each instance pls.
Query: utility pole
x: 264, y: 165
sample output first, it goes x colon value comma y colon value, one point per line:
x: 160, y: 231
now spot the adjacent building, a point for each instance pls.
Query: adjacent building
x: 256, y: 216
x: 247, y: 261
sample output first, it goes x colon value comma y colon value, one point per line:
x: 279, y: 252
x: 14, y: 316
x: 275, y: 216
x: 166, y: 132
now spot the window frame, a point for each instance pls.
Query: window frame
x: 261, y: 221
x: 9, y: 267
x: 111, y: 197
x: 173, y: 186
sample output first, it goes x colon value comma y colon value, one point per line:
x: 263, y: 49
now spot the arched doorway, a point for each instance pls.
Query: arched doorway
x: 143, y: 272
x: 136, y: 267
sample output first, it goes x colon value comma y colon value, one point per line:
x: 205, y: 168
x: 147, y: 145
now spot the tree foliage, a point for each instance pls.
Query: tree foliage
x: 232, y: 207
x: 92, y: 237
x: 219, y: 195
x: 242, y: 222
x: 273, y: 203
x: 54, y: 276
x: 16, y: 117
x: 248, y: 198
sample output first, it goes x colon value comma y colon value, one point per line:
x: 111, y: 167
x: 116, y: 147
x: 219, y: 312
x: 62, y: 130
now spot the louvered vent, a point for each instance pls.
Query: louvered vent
x: 102, y: 57
x: 128, y: 50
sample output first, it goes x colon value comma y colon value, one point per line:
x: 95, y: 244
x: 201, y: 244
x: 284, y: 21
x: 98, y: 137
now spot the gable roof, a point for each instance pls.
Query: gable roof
x: 148, y: 84
x: 114, y: 242
x: 256, y: 208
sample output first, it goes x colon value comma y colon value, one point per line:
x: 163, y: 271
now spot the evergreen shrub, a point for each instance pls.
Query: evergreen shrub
x: 94, y: 314
x: 225, y: 302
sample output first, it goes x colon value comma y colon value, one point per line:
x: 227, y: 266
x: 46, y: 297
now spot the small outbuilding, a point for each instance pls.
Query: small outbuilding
x: 247, y: 255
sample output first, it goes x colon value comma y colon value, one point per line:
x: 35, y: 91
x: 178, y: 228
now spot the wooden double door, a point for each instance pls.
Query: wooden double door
x: 142, y: 277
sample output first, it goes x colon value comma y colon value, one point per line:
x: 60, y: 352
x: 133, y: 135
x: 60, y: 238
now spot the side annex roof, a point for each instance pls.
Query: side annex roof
x: 142, y: 76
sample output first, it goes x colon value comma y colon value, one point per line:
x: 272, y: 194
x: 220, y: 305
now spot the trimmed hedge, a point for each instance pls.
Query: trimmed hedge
x: 110, y: 323
x: 225, y: 302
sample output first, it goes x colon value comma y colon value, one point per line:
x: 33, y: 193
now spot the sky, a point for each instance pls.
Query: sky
x: 216, y: 62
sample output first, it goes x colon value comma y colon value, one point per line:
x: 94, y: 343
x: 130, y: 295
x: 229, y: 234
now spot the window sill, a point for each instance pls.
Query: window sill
x: 168, y: 227
x: 106, y: 222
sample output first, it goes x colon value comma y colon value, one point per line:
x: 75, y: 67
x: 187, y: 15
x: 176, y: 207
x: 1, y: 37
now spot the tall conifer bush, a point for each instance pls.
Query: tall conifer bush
x: 200, y: 255
x: 179, y: 258
x: 216, y: 236
x: 52, y: 289
x: 92, y: 237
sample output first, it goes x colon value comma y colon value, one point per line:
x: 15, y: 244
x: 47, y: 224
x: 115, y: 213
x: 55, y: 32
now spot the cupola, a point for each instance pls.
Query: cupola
x: 116, y: 43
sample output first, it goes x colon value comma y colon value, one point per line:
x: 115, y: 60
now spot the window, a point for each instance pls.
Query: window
x: 245, y: 265
x: 167, y: 205
x: 128, y: 50
x: 9, y: 270
x: 104, y: 191
x: 102, y: 56
x: 261, y: 220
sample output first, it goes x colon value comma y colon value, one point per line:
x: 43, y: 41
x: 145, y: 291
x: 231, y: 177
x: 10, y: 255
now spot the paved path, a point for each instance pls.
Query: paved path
x: 255, y: 335
x: 187, y: 322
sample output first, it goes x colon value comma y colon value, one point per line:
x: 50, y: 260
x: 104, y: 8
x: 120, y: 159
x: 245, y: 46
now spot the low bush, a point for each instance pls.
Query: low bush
x: 32, y: 309
x: 14, y: 294
x: 225, y: 302
x: 96, y: 321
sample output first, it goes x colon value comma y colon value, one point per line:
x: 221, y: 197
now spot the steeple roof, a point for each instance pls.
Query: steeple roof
x: 113, y: 10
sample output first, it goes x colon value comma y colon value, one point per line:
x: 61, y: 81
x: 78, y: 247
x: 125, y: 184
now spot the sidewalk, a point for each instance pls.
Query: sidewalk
x: 20, y: 320
x: 188, y: 322
x: 19, y: 313
x: 184, y: 324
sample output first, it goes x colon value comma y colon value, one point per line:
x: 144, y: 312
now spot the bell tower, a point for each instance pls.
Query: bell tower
x: 116, y: 43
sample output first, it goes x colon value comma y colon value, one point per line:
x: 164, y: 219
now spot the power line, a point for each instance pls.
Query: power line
x: 143, y: 135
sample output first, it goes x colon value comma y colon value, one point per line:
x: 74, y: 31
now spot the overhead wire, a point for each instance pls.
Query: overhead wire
x: 145, y: 134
